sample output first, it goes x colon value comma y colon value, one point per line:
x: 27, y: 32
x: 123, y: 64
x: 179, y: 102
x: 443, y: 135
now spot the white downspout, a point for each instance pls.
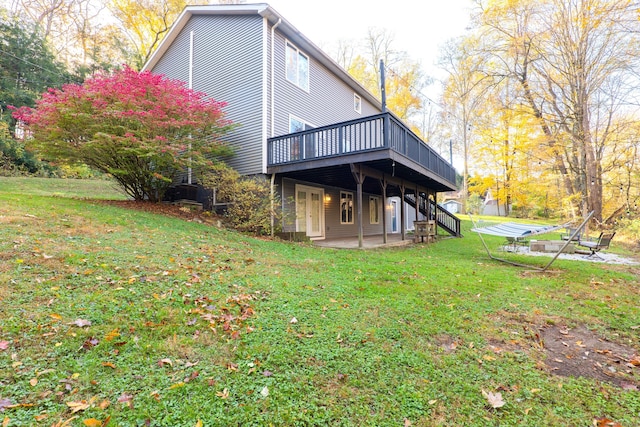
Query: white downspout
x: 189, y: 171
x: 273, y: 176
x: 273, y: 34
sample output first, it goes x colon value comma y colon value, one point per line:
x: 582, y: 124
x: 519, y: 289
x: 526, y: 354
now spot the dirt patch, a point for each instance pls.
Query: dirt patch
x: 574, y: 351
x: 580, y: 352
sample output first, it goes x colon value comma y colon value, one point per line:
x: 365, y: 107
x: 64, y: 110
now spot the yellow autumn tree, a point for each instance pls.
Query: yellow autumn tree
x: 404, y: 77
x: 146, y: 22
x: 574, y: 62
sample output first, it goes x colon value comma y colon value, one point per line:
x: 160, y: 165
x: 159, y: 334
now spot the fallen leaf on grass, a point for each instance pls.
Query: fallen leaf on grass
x: 127, y: 399
x: 90, y: 342
x: 33, y: 382
x: 223, y: 394
x: 108, y: 365
x: 605, y: 422
x: 65, y: 423
x: 165, y: 361
x: 635, y: 361
x: 293, y: 321
x: 112, y: 335
x: 494, y: 399
x: 191, y: 377
x: 4, y: 345
x: 4, y: 403
x: 92, y: 422
x: 407, y: 422
x: 6, y: 421
x: 81, y: 323
x: 265, y: 391
x: 78, y: 406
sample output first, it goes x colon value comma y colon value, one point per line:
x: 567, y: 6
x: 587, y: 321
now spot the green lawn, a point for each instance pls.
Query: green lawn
x: 135, y: 319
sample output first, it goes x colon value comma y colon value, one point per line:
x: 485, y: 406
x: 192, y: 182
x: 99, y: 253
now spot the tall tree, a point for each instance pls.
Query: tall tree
x: 575, y: 61
x: 79, y: 32
x: 404, y: 77
x: 464, y: 94
x: 27, y: 66
x: 146, y: 22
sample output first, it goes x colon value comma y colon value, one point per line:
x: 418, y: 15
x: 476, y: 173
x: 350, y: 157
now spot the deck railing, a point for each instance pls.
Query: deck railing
x: 379, y: 132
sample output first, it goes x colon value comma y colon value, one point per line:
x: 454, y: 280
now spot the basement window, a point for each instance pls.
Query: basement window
x: 346, y: 207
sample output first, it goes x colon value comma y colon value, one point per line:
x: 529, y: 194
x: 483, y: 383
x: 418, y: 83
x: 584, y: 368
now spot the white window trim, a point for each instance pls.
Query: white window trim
x: 286, y: 74
x: 306, y: 123
x: 352, y: 208
x: 357, y: 103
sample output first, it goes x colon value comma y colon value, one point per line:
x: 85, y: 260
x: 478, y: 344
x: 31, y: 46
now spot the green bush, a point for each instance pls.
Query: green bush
x: 250, y: 205
x: 16, y: 160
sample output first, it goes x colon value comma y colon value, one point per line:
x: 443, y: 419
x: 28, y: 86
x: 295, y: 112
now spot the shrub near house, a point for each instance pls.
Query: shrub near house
x: 139, y: 127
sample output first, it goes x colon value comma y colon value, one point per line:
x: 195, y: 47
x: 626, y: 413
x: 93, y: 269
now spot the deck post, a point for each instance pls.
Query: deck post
x: 417, y: 204
x: 359, y: 178
x: 403, y: 225
x: 383, y: 184
x: 272, y: 197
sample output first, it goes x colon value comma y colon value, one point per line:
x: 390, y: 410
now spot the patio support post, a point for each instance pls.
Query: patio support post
x: 383, y: 184
x: 272, y: 197
x: 403, y: 220
x: 417, y: 203
x: 359, y: 178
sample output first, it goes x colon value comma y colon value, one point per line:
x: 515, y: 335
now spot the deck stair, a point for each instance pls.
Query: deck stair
x: 444, y: 219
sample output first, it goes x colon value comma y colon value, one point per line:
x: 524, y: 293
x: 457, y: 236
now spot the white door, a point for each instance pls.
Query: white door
x: 310, y: 211
x: 394, y: 216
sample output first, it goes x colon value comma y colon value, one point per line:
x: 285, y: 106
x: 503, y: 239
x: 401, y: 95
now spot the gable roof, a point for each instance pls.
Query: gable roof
x: 266, y: 11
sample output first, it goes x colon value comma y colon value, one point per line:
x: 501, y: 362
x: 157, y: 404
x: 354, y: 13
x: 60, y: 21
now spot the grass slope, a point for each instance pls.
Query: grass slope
x: 117, y: 317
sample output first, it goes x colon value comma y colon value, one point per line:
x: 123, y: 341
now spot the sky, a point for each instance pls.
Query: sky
x: 420, y: 27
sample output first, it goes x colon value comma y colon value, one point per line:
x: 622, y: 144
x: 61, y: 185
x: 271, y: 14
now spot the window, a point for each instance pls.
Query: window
x: 374, y: 210
x: 298, y: 144
x: 357, y: 103
x: 297, y: 67
x: 346, y: 208
x: 297, y: 125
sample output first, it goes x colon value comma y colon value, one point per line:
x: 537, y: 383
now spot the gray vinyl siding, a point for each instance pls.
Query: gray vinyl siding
x: 333, y: 227
x: 329, y: 100
x: 227, y: 66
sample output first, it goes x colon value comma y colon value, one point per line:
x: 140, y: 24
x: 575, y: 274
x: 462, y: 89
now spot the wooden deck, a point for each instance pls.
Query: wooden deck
x: 381, y: 142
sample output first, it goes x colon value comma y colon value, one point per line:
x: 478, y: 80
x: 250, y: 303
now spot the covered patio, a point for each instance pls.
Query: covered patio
x: 368, y: 242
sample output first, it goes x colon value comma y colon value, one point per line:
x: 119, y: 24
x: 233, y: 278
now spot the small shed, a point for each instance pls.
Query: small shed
x: 452, y: 206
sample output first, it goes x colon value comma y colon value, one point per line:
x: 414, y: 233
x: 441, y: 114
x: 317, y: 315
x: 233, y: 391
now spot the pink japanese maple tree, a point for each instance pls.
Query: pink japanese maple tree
x: 139, y: 127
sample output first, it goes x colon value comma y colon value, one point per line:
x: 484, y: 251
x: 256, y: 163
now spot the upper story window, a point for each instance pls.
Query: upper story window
x: 297, y: 67
x: 357, y: 103
x: 296, y: 124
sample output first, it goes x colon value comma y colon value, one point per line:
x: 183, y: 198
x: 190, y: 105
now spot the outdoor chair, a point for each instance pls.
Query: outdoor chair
x: 596, y: 246
x: 569, y: 233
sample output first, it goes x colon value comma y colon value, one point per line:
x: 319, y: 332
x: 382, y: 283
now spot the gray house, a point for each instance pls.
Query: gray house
x: 339, y: 162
